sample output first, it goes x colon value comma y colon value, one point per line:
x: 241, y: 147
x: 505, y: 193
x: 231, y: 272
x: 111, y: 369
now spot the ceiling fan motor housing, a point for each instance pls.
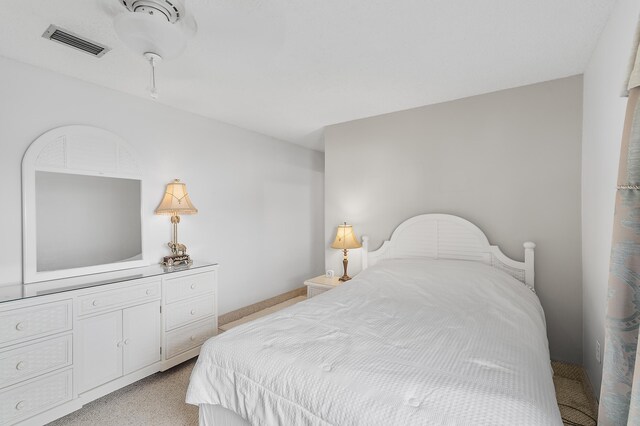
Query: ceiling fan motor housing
x: 169, y: 10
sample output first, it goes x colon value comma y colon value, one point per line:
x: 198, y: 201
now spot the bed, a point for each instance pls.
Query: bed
x: 440, y: 328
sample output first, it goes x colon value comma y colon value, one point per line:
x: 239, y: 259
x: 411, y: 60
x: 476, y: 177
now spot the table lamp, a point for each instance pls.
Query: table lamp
x: 345, y: 240
x: 176, y: 202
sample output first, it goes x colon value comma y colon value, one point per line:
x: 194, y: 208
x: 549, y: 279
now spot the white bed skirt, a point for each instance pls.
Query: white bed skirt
x: 217, y: 415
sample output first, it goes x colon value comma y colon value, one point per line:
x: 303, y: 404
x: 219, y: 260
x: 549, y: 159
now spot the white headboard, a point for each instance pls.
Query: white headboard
x: 443, y: 236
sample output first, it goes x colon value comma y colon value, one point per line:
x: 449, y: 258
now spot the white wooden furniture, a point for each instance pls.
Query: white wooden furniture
x: 443, y: 236
x: 68, y: 337
x: 321, y: 284
x: 190, y: 317
x: 84, y: 337
x: 77, y: 150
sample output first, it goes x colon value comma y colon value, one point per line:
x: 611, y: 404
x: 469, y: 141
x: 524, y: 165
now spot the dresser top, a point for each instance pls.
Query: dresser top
x: 16, y: 291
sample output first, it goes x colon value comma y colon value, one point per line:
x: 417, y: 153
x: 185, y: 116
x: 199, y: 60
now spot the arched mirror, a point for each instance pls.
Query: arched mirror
x: 82, y: 199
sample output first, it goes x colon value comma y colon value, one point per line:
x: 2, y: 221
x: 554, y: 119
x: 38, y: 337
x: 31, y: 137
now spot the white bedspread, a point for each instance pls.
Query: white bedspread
x: 407, y: 342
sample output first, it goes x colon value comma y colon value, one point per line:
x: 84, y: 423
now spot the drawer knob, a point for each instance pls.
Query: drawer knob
x: 21, y: 365
x: 20, y: 405
x: 149, y: 292
x: 193, y: 286
x: 126, y: 341
x: 20, y: 326
x: 94, y: 303
x: 193, y: 312
x: 119, y: 344
x: 192, y: 338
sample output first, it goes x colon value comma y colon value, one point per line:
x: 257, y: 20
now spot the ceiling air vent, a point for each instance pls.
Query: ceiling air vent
x: 70, y: 39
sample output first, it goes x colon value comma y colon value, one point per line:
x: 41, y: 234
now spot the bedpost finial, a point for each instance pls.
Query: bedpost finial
x: 529, y: 272
x: 365, y: 242
x: 365, y: 252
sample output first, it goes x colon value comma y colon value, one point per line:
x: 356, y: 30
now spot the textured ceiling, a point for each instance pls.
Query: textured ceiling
x: 289, y: 68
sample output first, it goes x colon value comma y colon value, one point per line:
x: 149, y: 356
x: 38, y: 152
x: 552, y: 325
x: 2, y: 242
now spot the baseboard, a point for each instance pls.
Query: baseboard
x: 588, y: 389
x: 180, y: 358
x: 52, y: 414
x: 102, y: 390
x: 251, y: 309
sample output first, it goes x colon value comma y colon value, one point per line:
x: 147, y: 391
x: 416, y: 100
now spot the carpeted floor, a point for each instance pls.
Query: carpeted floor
x: 574, y: 405
x: 156, y: 400
x: 159, y: 399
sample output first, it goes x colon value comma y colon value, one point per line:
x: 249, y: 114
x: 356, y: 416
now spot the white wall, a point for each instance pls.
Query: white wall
x: 604, y: 112
x: 260, y: 199
x: 507, y: 161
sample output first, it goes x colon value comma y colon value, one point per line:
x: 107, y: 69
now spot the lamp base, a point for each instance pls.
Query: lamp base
x: 176, y: 260
x: 345, y: 263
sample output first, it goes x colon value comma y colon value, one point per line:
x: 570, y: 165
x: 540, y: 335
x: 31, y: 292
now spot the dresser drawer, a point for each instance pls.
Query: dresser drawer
x: 192, y: 285
x: 34, y: 359
x: 189, y: 311
x: 114, y: 299
x: 26, y: 400
x: 188, y: 337
x: 19, y: 325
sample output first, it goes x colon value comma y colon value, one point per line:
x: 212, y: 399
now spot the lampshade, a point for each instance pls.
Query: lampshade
x: 345, y: 238
x: 176, y: 200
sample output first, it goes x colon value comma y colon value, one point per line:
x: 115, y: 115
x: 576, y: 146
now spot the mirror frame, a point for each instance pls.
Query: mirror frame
x: 82, y: 150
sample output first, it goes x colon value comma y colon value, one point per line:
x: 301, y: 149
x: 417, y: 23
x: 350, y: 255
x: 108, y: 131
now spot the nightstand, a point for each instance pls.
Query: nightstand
x: 320, y: 284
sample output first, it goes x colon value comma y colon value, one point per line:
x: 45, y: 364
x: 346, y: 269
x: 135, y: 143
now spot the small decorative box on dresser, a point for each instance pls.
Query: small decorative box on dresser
x: 68, y: 342
x: 321, y: 284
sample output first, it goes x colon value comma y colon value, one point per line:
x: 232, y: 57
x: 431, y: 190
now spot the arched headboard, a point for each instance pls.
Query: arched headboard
x: 443, y: 236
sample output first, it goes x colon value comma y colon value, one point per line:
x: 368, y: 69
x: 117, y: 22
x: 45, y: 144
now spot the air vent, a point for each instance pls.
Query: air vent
x: 70, y: 39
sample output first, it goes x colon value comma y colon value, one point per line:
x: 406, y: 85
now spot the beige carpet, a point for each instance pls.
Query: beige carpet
x: 574, y: 405
x: 156, y: 400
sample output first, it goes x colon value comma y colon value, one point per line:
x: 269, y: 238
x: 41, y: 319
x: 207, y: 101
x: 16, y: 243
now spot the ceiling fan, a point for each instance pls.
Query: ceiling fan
x: 155, y: 30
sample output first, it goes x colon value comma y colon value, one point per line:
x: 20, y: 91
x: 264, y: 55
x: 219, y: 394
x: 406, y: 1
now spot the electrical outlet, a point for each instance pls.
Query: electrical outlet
x: 598, y: 351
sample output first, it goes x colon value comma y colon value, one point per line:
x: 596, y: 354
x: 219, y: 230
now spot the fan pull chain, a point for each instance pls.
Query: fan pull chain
x: 153, y: 59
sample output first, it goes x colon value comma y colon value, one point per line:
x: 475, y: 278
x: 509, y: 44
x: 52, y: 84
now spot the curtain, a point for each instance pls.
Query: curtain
x: 620, y: 393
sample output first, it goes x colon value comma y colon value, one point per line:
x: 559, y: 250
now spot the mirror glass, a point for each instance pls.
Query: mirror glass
x: 86, y: 220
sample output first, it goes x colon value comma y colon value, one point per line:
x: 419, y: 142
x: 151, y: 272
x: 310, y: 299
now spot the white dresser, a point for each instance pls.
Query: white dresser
x: 72, y: 341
